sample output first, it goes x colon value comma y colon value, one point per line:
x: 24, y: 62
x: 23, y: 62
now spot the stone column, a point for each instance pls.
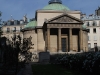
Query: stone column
x: 70, y: 40
x: 48, y: 39
x: 81, y: 39
x: 59, y: 39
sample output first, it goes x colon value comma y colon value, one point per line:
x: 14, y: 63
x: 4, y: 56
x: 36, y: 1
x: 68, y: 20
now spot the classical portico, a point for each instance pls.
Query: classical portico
x: 67, y: 31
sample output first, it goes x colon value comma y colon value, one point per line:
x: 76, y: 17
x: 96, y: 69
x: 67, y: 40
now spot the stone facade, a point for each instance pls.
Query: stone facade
x: 50, y: 34
x: 92, y: 23
x: 10, y: 30
x: 13, y: 27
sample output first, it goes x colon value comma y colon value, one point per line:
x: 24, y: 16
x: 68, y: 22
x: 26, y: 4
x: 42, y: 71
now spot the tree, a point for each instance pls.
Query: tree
x: 0, y: 16
x: 0, y: 24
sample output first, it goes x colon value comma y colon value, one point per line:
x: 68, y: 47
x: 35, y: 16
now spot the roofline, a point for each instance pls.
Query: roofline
x: 91, y: 20
x: 27, y: 29
x: 63, y: 23
x: 15, y: 25
x: 58, y: 11
x: 39, y: 27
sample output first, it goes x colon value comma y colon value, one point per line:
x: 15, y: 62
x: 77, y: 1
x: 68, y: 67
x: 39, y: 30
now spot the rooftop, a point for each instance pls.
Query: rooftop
x: 92, y: 17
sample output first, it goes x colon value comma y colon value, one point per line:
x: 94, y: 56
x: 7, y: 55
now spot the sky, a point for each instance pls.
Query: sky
x: 19, y: 8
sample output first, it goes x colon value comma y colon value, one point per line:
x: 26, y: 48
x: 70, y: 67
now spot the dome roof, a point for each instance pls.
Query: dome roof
x: 55, y: 5
x: 31, y: 24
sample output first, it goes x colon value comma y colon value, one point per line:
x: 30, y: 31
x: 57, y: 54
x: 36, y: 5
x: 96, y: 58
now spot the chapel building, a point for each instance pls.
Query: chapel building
x: 56, y: 28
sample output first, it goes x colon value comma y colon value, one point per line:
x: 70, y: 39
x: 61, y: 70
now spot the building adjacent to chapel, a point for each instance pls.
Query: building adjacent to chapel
x: 92, y: 22
x: 56, y: 28
x: 13, y: 28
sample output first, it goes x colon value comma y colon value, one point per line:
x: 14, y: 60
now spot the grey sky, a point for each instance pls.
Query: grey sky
x: 18, y: 8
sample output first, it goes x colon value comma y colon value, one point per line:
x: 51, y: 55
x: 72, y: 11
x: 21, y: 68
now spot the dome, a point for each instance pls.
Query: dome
x: 55, y: 5
x: 31, y: 24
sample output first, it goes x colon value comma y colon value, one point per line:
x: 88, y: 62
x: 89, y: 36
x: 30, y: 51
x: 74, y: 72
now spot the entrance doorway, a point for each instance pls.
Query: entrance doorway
x: 63, y: 42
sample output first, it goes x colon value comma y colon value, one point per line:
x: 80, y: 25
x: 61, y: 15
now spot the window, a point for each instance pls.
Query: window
x: 95, y: 44
x: 14, y: 29
x: 20, y: 28
x: 8, y: 29
x: 89, y: 45
x: 95, y: 38
x: 87, y: 23
x: 94, y: 23
x: 88, y: 38
x: 94, y: 30
x: 88, y: 30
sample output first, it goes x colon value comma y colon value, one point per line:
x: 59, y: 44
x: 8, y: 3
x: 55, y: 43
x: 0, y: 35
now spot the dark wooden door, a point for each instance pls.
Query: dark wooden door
x: 63, y: 42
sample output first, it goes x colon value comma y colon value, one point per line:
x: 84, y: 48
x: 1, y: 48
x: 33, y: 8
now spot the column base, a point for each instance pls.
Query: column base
x: 71, y: 51
x: 81, y: 50
x: 60, y: 51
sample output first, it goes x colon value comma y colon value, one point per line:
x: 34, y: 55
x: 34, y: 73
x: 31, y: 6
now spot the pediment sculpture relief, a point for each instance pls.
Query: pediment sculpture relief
x: 64, y: 19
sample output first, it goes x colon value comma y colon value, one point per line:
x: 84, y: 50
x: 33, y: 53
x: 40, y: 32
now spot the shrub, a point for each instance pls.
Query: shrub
x: 88, y: 62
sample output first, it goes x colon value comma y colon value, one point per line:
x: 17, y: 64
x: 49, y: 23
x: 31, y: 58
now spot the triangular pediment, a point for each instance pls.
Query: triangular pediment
x: 64, y: 18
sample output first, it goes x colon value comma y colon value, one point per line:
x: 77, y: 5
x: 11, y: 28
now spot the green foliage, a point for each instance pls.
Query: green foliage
x: 87, y: 62
x: 0, y: 33
x: 12, y: 51
x: 0, y: 24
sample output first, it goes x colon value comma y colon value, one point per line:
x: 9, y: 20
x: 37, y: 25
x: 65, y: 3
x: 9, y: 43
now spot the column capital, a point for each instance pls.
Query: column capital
x: 59, y: 28
x: 71, y: 28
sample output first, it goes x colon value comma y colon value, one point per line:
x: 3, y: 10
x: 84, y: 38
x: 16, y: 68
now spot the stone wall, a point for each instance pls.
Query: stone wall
x: 53, y: 43
x: 43, y: 14
x: 33, y: 34
x: 75, y: 42
x: 85, y: 41
x: 40, y: 40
